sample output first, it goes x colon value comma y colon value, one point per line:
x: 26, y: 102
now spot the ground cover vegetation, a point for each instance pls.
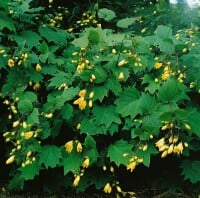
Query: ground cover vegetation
x: 99, y: 97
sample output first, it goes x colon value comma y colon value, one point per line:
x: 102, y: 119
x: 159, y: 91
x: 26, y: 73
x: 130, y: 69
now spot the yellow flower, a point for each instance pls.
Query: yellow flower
x: 16, y: 123
x: 170, y: 149
x: 122, y: 63
x: 36, y: 86
x: 158, y: 65
x: 38, y: 68
x: 118, y: 189
x: 28, y: 135
x: 164, y: 154
x: 160, y: 142
x: 164, y: 147
x: 81, y: 102
x: 179, y: 148
x: 91, y: 95
x: 121, y: 76
x: 165, y: 76
x: 80, y: 67
x: 86, y: 163
x: 76, y: 180
x: 48, y: 115
x: 69, y: 146
x: 82, y: 93
x: 11, y: 63
x: 79, y: 147
x: 10, y: 160
x: 131, y: 166
x: 107, y: 188
x: 187, y: 126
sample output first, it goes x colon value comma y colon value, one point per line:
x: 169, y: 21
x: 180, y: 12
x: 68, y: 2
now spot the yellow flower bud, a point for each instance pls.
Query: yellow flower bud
x: 118, y: 189
x: 29, y: 154
x: 170, y: 149
x: 131, y: 166
x: 38, y: 68
x: 86, y: 163
x: 69, y: 146
x: 79, y: 147
x: 82, y: 93
x: 104, y: 168
x: 121, y: 76
x: 145, y: 147
x: 76, y: 180
x: 93, y: 77
x: 48, y: 115
x: 78, y: 126
x: 24, y: 125
x: 112, y: 169
x: 163, y: 147
x: 91, y: 95
x: 107, y: 188
x: 187, y: 126
x: 10, y: 160
x: 122, y: 63
x: 164, y: 154
x: 90, y: 104
x: 16, y: 123
x: 28, y: 135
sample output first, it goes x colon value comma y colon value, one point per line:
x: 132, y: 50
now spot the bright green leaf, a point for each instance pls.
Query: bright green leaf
x: 117, y: 150
x: 106, y: 115
x: 106, y: 14
x: 50, y: 156
x: 126, y: 22
x: 30, y: 171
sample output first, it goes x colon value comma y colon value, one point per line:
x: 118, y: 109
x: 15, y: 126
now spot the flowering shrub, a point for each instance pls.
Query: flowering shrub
x: 86, y: 104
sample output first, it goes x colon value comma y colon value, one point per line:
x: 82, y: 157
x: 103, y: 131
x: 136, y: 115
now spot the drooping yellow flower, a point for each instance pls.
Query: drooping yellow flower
x: 81, y: 102
x: 158, y: 65
x: 187, y: 126
x: 164, y: 154
x: 122, y: 63
x: 69, y: 146
x: 11, y: 63
x: 121, y: 76
x: 178, y: 148
x: 38, y: 68
x: 82, y: 93
x: 80, y: 67
x: 107, y: 188
x: 131, y: 166
x: 10, y: 160
x: 36, y: 86
x: 86, y: 163
x: 76, y: 180
x: 170, y: 149
x: 28, y: 135
x: 160, y: 142
x: 79, y: 147
x: 16, y: 123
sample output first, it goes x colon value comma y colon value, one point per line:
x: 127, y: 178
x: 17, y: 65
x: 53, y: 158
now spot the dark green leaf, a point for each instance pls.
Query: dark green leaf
x: 30, y: 171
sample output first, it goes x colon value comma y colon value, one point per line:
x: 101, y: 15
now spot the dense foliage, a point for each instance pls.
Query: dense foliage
x: 89, y: 93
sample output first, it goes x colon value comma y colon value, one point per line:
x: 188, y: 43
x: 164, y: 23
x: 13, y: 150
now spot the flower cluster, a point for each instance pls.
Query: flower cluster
x: 170, y: 145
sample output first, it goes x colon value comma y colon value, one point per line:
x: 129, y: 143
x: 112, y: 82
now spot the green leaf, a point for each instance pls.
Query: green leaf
x: 117, y: 150
x: 126, y: 22
x: 71, y: 162
x: 146, y: 155
x: 30, y: 171
x: 106, y: 115
x: 60, y: 78
x: 100, y: 74
x: 6, y: 22
x: 193, y: 121
x: 50, y: 156
x: 69, y: 93
x: 66, y: 111
x: 164, y: 39
x: 106, y: 14
x: 100, y: 92
x: 151, y: 124
x: 113, y: 85
x: 33, y: 118
x: 172, y: 91
x: 190, y: 170
x: 88, y: 126
x: 28, y: 95
x: 81, y: 42
x: 128, y: 103
x: 90, y: 149
x: 25, y: 106
x: 57, y: 36
x: 32, y: 38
